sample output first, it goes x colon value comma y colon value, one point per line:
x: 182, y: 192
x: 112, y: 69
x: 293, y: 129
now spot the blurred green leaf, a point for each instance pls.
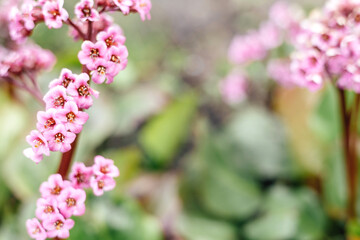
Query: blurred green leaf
x: 165, y: 133
x: 199, y: 228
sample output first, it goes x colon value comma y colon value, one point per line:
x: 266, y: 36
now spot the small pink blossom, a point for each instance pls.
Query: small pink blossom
x: 117, y: 57
x: 233, y: 88
x: 85, y: 12
x: 270, y: 35
x: 143, y: 7
x: 59, y: 138
x: 72, y: 118
x: 102, y: 183
x: 53, y: 187
x: 72, y: 202
x: 244, y: 49
x: 57, y: 226
x: 35, y: 229
x: 104, y: 166
x: 29, y: 153
x: 102, y: 69
x: 47, y: 120
x: 66, y: 78
x: 90, y: 52
x: 46, y: 207
x: 20, y: 26
x: 82, y: 92
x: 279, y: 70
x: 56, y: 97
x: 38, y: 143
x: 113, y: 36
x: 54, y: 13
x: 80, y: 175
x: 124, y: 5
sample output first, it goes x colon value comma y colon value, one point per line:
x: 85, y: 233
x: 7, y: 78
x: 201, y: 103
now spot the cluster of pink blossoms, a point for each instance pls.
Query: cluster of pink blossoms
x: 329, y: 47
x: 282, y: 26
x: 61, y: 199
x: 53, y: 13
x: 64, y: 116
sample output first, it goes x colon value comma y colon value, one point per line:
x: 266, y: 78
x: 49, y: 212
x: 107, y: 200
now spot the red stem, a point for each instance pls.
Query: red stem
x: 349, y: 120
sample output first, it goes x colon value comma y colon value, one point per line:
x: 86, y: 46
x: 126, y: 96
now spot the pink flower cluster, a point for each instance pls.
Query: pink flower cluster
x: 107, y: 57
x: 26, y: 59
x: 62, y: 199
x: 329, y: 47
x: 63, y: 118
x: 283, y: 26
x: 52, y: 12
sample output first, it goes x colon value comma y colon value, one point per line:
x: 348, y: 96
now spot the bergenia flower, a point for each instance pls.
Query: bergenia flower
x: 29, y: 153
x: 233, y: 88
x: 47, y: 120
x: 72, y: 118
x: 90, y: 52
x: 66, y: 78
x: 80, y: 175
x: 46, y: 207
x: 102, y: 69
x: 72, y: 202
x: 117, y: 56
x: 101, y: 184
x: 56, y: 97
x: 82, y: 92
x: 59, y: 138
x: 35, y: 229
x: 124, y: 5
x: 143, y: 7
x: 85, y: 12
x: 54, y: 13
x: 57, y: 226
x: 104, y: 166
x: 113, y: 36
x: 53, y: 187
x: 38, y: 143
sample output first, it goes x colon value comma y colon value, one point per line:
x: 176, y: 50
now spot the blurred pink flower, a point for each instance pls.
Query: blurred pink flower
x: 233, y: 88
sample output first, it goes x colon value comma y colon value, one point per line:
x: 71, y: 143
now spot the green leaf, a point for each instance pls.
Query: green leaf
x: 165, y: 133
x: 199, y: 228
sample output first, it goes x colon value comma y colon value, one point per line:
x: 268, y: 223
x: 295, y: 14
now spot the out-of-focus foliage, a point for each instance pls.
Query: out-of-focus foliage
x: 192, y: 168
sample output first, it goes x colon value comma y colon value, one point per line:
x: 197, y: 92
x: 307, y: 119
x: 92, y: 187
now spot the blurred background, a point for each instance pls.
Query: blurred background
x: 193, y: 167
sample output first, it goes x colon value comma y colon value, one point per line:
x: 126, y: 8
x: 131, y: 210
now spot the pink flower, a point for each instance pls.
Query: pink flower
x: 85, y: 12
x: 117, y: 56
x: 90, y: 52
x: 246, y: 48
x: 113, y: 36
x: 102, y: 69
x: 57, y: 226
x: 72, y: 202
x: 66, y: 78
x: 35, y: 229
x: 54, y: 13
x: 80, y: 175
x: 124, y: 5
x: 270, y: 35
x: 350, y: 46
x: 325, y: 39
x: 350, y: 78
x: 46, y: 207
x: 81, y: 91
x: 29, y: 153
x: 56, y: 97
x: 143, y: 7
x: 104, y: 166
x: 102, y: 183
x: 59, y: 138
x: 20, y: 26
x: 53, y: 187
x: 233, y: 88
x: 72, y: 118
x: 38, y: 143
x: 47, y: 120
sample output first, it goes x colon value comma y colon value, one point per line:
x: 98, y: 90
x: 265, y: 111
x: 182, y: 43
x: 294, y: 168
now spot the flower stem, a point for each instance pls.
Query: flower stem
x: 349, y: 123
